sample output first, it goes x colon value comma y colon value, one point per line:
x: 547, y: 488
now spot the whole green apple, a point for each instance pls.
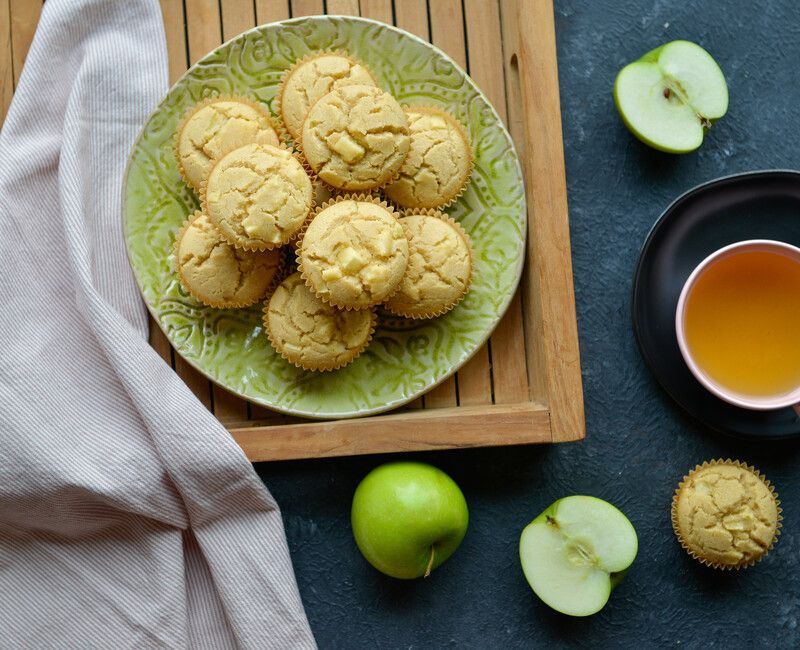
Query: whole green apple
x: 408, y: 518
x: 576, y: 552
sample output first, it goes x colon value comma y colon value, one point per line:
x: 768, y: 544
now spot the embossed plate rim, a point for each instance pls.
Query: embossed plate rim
x: 453, y: 368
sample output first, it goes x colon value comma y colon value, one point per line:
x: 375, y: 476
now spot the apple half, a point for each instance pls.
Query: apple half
x: 671, y: 96
x: 576, y: 552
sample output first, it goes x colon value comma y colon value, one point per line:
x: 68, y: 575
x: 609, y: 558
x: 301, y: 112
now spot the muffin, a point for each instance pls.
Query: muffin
x: 439, y: 268
x: 354, y: 252
x: 216, y: 126
x: 726, y: 514
x: 439, y: 161
x: 312, y: 77
x: 259, y: 196
x: 312, y: 334
x: 216, y: 273
x: 356, y: 138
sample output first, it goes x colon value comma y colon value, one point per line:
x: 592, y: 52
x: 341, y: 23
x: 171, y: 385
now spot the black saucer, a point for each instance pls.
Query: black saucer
x: 755, y: 205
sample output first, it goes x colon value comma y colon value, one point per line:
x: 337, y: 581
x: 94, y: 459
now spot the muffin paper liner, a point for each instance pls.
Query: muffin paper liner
x: 366, y: 190
x: 685, y: 545
x: 435, y: 110
x: 247, y: 246
x: 362, y: 198
x: 261, y: 108
x: 321, y: 368
x: 437, y: 214
x: 232, y: 304
x: 277, y: 103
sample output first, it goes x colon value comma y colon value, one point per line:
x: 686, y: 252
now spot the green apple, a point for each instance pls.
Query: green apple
x: 576, y: 552
x: 671, y: 96
x: 408, y: 518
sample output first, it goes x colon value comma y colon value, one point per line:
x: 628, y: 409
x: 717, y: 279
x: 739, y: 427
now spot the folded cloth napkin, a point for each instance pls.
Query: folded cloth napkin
x: 128, y: 516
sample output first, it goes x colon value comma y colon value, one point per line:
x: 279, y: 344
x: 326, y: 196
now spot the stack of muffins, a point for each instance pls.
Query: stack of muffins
x: 348, y: 186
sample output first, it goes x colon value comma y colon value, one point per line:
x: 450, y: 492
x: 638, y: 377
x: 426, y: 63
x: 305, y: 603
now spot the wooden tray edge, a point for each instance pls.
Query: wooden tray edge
x: 447, y: 428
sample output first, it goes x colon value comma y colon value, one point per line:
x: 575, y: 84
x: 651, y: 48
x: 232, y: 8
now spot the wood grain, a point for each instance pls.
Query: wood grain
x: 24, y: 18
x: 306, y: 8
x: 447, y: 29
x: 203, y: 27
x: 550, y: 304
x: 6, y: 66
x: 270, y: 11
x: 343, y: 7
x: 172, y: 12
x: 460, y: 427
x: 412, y: 15
x: 377, y: 10
x: 237, y: 16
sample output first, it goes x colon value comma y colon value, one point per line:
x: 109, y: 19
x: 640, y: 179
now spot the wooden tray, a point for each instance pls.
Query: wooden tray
x: 524, y: 385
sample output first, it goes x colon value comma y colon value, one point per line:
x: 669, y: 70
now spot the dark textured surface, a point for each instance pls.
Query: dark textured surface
x: 638, y: 445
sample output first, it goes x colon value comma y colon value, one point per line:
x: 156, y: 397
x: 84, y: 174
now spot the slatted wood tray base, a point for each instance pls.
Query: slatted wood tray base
x: 524, y: 385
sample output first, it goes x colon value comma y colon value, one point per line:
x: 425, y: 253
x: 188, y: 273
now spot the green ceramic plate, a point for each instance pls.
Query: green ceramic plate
x: 406, y: 358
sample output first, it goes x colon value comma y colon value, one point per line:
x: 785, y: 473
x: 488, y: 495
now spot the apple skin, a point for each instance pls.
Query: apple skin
x: 401, y: 512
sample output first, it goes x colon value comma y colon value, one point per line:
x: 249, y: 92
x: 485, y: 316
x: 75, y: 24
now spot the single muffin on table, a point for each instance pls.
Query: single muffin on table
x: 726, y: 514
x: 439, y: 269
x: 259, y: 196
x: 218, y: 274
x: 312, y: 334
x: 439, y: 161
x: 310, y: 78
x: 354, y: 252
x: 356, y: 138
x: 216, y: 126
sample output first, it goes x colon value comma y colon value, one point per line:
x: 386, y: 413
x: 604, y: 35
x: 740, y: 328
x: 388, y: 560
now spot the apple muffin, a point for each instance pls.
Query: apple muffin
x: 439, y: 161
x: 439, y: 268
x: 310, y: 78
x: 312, y: 334
x: 216, y: 126
x: 218, y: 274
x: 354, y: 252
x: 726, y: 514
x: 356, y: 138
x: 259, y: 196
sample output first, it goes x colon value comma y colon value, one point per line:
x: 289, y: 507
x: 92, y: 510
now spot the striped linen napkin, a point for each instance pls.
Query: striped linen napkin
x: 128, y: 516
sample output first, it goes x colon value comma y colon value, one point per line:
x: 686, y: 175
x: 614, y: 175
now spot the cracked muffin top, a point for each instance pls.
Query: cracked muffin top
x: 311, y: 333
x: 438, y: 164
x: 216, y: 273
x: 313, y: 77
x: 213, y: 128
x: 725, y: 514
x: 356, y: 138
x: 259, y: 196
x: 439, y: 267
x: 354, y: 253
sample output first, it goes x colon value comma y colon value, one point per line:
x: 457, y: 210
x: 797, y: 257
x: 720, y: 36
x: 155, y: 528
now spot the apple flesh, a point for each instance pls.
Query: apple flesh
x: 408, y: 518
x: 671, y: 96
x: 576, y: 552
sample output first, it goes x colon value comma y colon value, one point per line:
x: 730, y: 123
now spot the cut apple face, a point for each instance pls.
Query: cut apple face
x: 671, y: 96
x: 575, y: 552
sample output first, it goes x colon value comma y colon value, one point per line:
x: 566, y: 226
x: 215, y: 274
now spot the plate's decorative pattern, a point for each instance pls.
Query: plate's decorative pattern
x: 405, y: 358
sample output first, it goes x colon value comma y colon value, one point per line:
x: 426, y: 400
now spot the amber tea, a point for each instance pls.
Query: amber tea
x: 742, y: 323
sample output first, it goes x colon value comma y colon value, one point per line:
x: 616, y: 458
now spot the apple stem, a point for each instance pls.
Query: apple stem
x: 430, y: 563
